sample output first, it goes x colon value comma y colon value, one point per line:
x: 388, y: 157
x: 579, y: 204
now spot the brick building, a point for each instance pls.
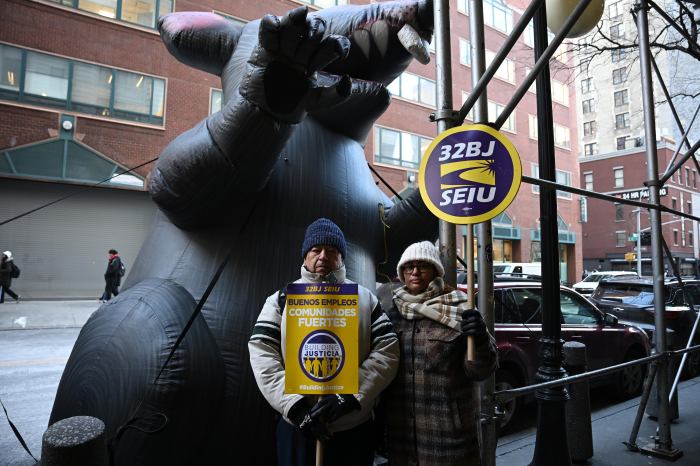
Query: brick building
x: 610, y: 230
x: 87, y: 89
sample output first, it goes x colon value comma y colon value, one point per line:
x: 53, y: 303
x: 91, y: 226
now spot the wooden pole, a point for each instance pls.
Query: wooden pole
x: 470, y: 285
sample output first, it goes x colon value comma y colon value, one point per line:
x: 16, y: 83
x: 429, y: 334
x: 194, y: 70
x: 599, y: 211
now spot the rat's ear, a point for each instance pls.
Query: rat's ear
x: 201, y: 40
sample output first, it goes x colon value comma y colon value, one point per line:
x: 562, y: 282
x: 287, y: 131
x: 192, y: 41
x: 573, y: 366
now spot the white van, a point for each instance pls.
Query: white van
x: 589, y: 284
x: 525, y: 268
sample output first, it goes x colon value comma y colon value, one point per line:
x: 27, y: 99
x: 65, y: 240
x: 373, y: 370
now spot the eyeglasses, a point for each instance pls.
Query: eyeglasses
x: 419, y: 266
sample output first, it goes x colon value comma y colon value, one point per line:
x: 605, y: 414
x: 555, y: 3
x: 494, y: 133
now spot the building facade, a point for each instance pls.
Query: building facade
x: 87, y: 90
x: 611, y: 229
x: 607, y: 74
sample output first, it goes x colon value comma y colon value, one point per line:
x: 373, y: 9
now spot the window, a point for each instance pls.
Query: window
x: 562, y: 177
x: 589, y: 128
x: 620, y: 239
x: 470, y: 115
x: 413, y: 87
x: 617, y: 55
x: 617, y: 31
x: 690, y: 238
x: 588, y: 181
x: 674, y: 205
x: 576, y: 311
x: 621, y: 142
x: 622, y: 120
x: 463, y: 6
x: 560, y: 92
x: 325, y: 3
x: 507, y: 69
x: 614, y: 10
x: 141, y: 12
x: 583, y: 65
x: 622, y: 97
x: 588, y: 106
x: 495, y: 110
x: 46, y: 76
x: 695, y: 180
x: 619, y: 213
x: 687, y: 176
x: 562, y: 137
x: 399, y: 148
x: 619, y: 177
x: 675, y: 237
x: 619, y: 75
x: 690, y: 208
x: 532, y: 126
x: 533, y: 86
x: 215, y: 101
x: 590, y: 149
x: 586, y: 84
x: 44, y: 79
x: 465, y: 52
x: 565, y: 179
x: 498, y: 15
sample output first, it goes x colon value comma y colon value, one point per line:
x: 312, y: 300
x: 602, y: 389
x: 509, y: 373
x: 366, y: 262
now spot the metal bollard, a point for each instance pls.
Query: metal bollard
x: 578, y: 408
x: 74, y: 441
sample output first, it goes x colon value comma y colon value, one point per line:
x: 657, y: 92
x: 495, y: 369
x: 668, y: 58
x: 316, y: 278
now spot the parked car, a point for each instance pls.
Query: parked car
x: 518, y: 326
x: 527, y: 268
x: 588, y: 285
x: 632, y: 300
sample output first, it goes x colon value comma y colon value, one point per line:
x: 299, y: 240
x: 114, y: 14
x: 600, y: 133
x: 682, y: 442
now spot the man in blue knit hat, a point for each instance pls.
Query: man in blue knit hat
x: 342, y: 422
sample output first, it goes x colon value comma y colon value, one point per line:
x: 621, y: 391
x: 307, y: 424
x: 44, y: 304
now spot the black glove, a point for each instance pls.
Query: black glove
x: 300, y: 415
x: 331, y: 407
x: 473, y: 324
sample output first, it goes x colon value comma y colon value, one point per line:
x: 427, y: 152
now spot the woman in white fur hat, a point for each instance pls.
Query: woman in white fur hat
x: 433, y: 405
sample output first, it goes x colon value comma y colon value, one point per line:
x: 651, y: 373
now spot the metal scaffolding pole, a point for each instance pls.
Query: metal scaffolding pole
x: 484, y: 237
x: 445, y: 120
x: 551, y: 444
x: 663, y: 445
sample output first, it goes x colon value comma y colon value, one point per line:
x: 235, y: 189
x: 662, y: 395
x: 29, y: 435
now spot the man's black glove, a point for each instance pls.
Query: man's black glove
x: 473, y: 325
x: 300, y: 415
x: 331, y: 407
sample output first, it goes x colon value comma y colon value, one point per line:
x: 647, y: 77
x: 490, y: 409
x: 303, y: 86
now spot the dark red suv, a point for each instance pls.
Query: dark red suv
x: 518, y: 317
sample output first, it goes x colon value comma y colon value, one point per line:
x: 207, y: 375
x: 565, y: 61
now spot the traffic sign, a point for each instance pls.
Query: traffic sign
x: 469, y: 174
x: 630, y: 256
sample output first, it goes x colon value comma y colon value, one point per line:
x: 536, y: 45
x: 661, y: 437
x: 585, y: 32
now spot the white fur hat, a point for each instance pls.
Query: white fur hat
x: 422, y: 251
x: 8, y: 254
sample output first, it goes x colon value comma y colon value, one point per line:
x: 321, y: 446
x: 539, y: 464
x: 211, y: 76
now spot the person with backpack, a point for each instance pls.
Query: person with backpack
x: 344, y: 423
x: 8, y: 271
x: 113, y: 275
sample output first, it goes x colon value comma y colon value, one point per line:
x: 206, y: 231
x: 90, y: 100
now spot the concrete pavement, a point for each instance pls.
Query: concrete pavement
x: 611, y: 423
x: 612, y: 426
x: 45, y: 314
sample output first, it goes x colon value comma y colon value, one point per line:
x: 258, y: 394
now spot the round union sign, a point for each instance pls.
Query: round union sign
x: 469, y: 174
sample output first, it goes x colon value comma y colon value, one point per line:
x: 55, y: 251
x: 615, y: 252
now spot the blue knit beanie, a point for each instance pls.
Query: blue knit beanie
x: 323, y: 231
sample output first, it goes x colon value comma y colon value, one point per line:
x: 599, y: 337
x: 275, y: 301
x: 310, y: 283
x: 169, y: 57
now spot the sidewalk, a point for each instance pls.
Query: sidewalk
x: 612, y: 426
x: 45, y: 314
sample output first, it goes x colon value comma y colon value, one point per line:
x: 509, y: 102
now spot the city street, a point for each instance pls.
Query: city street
x: 31, y: 363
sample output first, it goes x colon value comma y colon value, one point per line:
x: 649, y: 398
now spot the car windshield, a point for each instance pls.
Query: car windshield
x: 593, y: 277
x: 499, y: 268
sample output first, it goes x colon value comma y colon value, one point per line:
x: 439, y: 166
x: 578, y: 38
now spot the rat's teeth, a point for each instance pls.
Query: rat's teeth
x: 415, y: 45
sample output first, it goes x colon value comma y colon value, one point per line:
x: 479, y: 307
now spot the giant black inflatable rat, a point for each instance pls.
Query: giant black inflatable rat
x: 301, y: 92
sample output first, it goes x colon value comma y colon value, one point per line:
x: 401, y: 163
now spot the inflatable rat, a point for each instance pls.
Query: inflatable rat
x: 302, y: 92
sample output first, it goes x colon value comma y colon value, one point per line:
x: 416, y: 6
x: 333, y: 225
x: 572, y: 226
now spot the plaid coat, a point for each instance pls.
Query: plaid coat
x: 433, y: 405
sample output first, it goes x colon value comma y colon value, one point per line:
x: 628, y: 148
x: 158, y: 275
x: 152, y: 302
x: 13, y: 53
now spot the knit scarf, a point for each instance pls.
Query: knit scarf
x: 433, y: 303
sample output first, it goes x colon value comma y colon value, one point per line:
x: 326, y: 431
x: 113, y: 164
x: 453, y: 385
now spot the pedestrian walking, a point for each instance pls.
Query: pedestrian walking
x: 344, y: 423
x: 113, y: 275
x: 432, y: 407
x: 8, y: 271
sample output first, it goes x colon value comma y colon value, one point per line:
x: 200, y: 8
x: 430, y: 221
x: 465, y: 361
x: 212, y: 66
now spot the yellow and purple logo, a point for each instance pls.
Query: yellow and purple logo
x: 321, y: 355
x: 469, y: 174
